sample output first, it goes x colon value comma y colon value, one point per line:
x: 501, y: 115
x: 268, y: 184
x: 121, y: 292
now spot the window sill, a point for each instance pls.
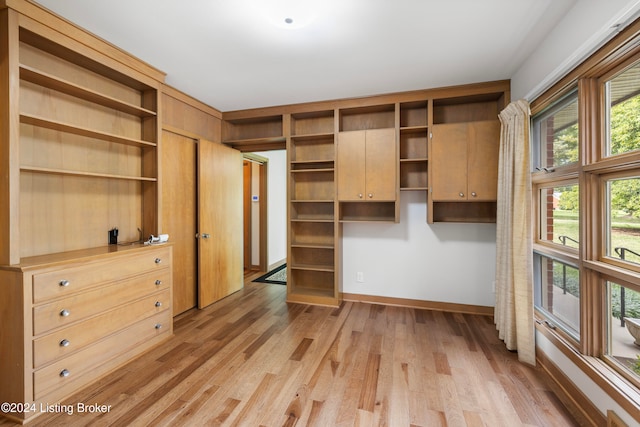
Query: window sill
x: 613, y: 384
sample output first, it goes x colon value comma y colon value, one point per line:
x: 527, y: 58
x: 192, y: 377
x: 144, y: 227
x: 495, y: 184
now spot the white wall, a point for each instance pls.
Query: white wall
x: 444, y: 262
x: 585, y: 27
x: 277, y: 205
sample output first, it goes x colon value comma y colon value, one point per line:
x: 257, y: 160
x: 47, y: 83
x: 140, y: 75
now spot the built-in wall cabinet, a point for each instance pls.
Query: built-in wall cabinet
x: 79, y: 147
x: 349, y: 159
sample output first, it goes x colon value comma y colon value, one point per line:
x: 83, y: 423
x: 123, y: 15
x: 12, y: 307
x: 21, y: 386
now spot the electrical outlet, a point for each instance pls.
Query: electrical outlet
x: 360, y: 277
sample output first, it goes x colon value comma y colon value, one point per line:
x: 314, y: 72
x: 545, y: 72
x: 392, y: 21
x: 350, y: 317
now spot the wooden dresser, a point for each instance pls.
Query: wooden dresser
x: 73, y: 317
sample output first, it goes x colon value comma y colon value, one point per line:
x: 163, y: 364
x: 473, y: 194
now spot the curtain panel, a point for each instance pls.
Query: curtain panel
x: 514, y: 245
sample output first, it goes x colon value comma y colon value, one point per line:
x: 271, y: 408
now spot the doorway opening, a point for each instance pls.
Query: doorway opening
x: 255, y: 181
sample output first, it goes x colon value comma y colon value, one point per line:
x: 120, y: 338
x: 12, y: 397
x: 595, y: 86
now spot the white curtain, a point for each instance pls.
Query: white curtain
x: 514, y: 271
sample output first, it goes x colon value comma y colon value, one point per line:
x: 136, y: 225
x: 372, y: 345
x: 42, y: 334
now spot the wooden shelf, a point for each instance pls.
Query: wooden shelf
x: 53, y: 171
x: 311, y: 246
x: 258, y: 144
x: 52, y: 82
x: 420, y: 160
x: 312, y: 137
x: 313, y: 267
x: 312, y: 170
x: 311, y: 220
x: 81, y: 131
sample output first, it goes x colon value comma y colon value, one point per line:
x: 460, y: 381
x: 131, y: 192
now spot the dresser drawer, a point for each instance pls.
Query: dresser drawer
x: 80, y: 305
x: 78, y: 369
x: 60, y: 283
x: 66, y: 341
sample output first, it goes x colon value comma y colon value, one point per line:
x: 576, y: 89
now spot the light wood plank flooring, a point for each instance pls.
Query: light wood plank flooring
x: 254, y: 360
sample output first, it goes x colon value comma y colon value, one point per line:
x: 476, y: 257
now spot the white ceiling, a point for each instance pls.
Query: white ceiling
x: 230, y: 55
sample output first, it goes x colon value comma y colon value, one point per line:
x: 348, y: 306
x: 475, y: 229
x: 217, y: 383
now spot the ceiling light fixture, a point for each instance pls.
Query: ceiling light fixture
x: 292, y: 14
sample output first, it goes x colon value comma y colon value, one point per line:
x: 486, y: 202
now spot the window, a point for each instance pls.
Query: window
x: 555, y: 135
x: 558, y: 293
x: 559, y: 215
x: 623, y: 331
x: 623, y: 219
x: 556, y: 275
x: 586, y: 183
x: 623, y: 104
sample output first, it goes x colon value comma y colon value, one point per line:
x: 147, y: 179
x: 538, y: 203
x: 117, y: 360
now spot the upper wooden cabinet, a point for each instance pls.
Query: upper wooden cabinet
x: 465, y: 161
x: 367, y: 165
x: 463, y: 157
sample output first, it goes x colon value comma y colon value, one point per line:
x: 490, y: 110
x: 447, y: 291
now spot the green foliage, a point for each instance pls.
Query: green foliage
x: 569, y: 198
x: 625, y: 196
x: 631, y: 299
x: 565, y: 146
x: 625, y: 126
x: 636, y: 365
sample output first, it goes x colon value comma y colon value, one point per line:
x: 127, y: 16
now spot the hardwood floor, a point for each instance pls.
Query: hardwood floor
x: 252, y: 360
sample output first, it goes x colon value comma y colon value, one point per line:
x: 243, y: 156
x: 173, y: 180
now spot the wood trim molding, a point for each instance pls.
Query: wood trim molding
x: 189, y: 100
x: 500, y: 86
x: 576, y: 402
x: 623, y: 393
x: 422, y: 304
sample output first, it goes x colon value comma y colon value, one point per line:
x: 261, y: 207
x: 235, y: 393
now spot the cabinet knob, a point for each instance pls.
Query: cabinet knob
x: 64, y: 313
x: 473, y: 194
x: 64, y: 343
x: 158, y: 260
x: 461, y: 194
x: 370, y: 195
x: 158, y: 325
x: 158, y: 282
x: 65, y: 373
x: 158, y: 304
x: 360, y: 195
x: 63, y: 283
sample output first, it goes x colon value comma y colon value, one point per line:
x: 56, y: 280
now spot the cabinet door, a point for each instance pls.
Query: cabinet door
x: 380, y: 164
x: 350, y: 167
x: 448, y: 163
x: 220, y: 222
x: 483, y: 152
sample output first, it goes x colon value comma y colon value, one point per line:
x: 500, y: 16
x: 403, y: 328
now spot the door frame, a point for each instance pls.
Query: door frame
x: 263, y: 246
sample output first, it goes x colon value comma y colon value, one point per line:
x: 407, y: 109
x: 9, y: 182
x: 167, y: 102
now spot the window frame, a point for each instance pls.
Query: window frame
x: 613, y: 58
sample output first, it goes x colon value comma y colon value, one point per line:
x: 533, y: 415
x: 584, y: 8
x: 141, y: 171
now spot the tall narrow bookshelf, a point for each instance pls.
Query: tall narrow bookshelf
x: 313, y: 230
x: 414, y: 139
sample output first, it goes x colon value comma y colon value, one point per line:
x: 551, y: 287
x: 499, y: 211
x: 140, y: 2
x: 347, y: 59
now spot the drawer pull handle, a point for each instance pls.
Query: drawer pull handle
x: 360, y: 195
x: 158, y: 304
x: 65, y: 313
x: 370, y: 195
x: 474, y: 194
x: 158, y: 260
x: 158, y: 282
x: 64, y: 343
x: 461, y: 194
x: 65, y: 373
x: 63, y: 283
x: 158, y: 325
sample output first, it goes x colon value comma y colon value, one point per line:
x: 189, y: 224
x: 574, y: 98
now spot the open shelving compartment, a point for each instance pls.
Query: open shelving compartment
x: 414, y: 133
x: 312, y: 226
x: 88, y: 150
x: 255, y: 133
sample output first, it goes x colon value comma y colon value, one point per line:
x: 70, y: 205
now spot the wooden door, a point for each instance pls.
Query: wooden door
x: 179, y: 215
x: 350, y: 165
x: 448, y: 162
x: 247, y: 176
x: 380, y: 164
x: 220, y: 222
x: 483, y: 151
